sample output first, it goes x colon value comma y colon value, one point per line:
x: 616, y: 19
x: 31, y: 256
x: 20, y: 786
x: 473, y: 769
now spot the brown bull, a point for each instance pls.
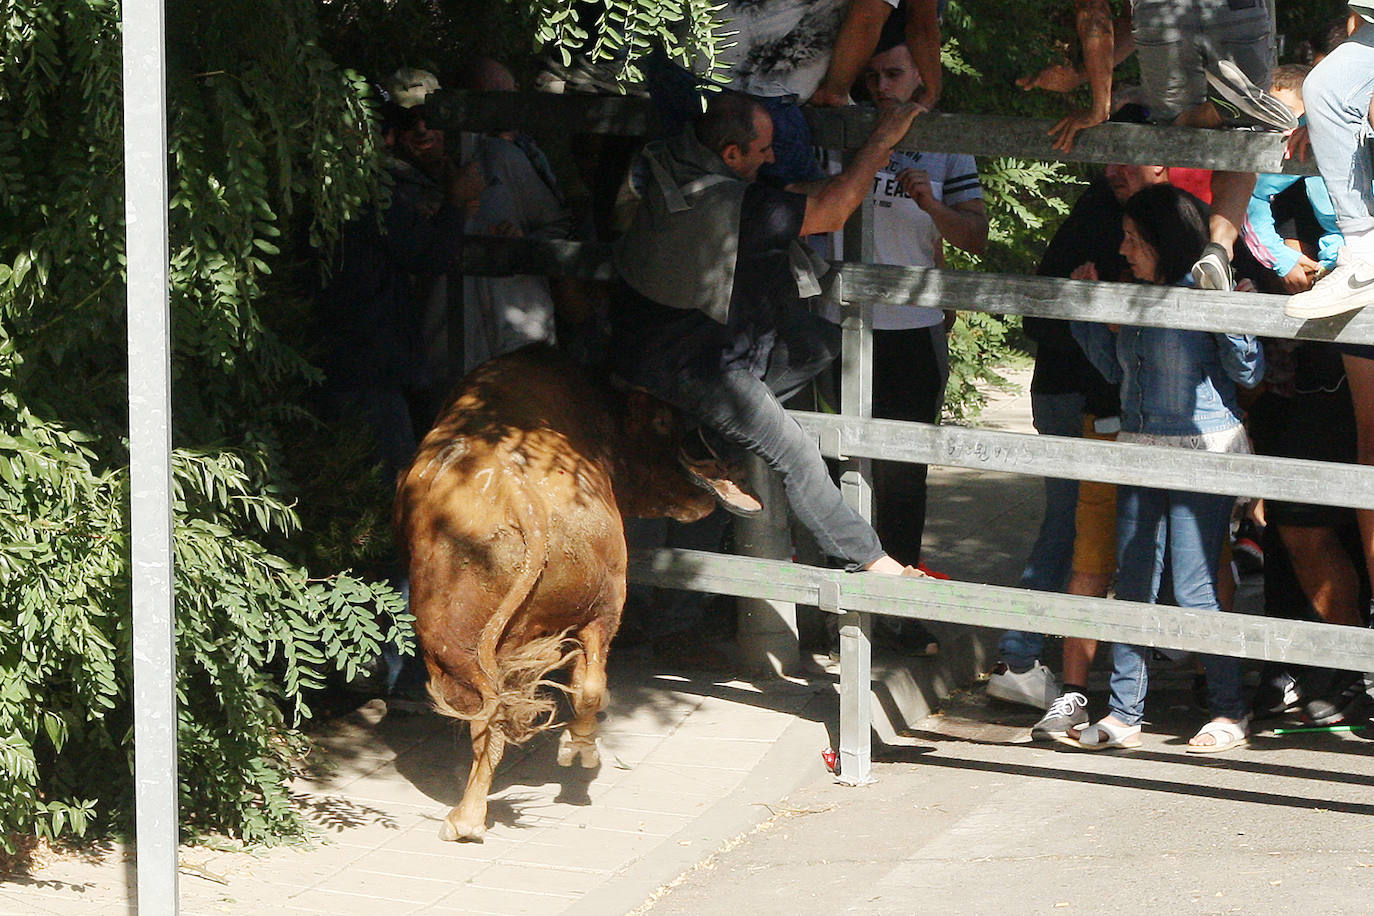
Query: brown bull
x: 511, y: 515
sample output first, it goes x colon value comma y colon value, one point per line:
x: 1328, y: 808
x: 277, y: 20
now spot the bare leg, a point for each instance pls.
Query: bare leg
x: 1079, y: 652
x: 1230, y: 196
x: 1204, y: 114
x: 1324, y: 572
x: 1360, y: 373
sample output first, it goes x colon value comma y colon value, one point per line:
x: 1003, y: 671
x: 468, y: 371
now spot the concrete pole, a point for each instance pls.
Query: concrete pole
x: 767, y: 635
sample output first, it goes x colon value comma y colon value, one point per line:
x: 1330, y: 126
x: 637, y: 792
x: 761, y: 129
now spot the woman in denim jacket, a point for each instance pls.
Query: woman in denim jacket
x: 1178, y: 389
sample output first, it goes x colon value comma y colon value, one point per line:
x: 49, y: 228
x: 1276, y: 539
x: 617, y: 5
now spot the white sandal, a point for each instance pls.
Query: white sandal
x: 1106, y: 735
x: 1226, y: 736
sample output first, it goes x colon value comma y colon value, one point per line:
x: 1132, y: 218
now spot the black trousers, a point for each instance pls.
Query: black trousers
x: 910, y: 369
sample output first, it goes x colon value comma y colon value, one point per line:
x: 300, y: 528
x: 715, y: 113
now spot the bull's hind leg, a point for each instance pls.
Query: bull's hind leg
x: 468, y: 821
x: 589, y: 697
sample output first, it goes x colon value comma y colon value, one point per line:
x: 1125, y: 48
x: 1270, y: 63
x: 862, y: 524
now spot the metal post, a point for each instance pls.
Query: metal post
x: 150, y: 449
x: 856, y: 399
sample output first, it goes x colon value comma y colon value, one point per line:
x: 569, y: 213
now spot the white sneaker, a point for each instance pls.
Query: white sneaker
x: 1348, y: 287
x: 1037, y: 687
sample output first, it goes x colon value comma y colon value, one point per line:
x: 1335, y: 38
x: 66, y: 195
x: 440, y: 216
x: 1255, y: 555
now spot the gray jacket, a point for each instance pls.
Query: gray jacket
x: 681, y: 246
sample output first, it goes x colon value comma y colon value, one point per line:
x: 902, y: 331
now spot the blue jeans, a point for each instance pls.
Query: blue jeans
x: 1191, y: 527
x: 1051, y: 557
x: 1336, y: 94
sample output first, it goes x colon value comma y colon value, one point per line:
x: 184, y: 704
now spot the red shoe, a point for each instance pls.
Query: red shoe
x: 930, y: 572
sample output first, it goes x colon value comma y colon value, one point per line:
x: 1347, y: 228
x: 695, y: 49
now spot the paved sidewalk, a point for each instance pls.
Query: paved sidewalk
x: 688, y: 760
x: 691, y: 761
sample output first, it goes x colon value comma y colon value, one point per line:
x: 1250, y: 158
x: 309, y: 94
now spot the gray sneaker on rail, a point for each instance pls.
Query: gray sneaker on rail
x: 1243, y: 104
x: 1068, y: 711
x: 1035, y: 686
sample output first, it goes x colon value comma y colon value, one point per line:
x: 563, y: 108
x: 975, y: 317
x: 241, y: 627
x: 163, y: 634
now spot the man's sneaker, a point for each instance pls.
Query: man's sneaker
x: 1345, y: 704
x: 1348, y: 287
x: 1035, y: 687
x: 1067, y: 711
x: 1213, y: 269
x: 1242, y: 103
x: 902, y: 634
x: 1275, y: 696
x: 724, y: 481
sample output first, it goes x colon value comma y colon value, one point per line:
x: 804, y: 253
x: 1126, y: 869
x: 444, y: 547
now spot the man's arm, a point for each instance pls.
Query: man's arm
x: 964, y: 224
x: 923, y: 40
x: 1096, y: 34
x: 1066, y: 77
x: 830, y: 202
x: 854, y: 44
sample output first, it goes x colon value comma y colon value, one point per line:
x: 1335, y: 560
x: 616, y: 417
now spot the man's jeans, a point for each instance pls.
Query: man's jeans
x: 747, y: 412
x: 1337, y: 94
x: 1191, y: 527
x: 1051, y: 558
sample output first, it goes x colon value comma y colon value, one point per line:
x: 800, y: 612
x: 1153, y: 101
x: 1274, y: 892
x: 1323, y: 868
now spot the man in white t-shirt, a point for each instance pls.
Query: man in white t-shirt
x: 918, y: 201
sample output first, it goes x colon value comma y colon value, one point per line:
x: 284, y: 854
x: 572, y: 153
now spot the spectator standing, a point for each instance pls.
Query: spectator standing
x: 919, y: 201
x: 521, y: 200
x: 1076, y: 548
x: 1178, y: 389
x: 370, y: 318
x: 1339, y: 96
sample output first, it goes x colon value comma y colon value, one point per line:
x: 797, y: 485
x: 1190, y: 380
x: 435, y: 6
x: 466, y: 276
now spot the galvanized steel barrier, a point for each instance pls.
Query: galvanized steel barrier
x: 856, y: 438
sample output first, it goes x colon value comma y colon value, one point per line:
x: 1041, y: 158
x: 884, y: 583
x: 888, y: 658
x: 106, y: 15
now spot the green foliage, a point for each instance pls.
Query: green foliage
x: 983, y: 57
x: 378, y: 36
x: 272, y: 149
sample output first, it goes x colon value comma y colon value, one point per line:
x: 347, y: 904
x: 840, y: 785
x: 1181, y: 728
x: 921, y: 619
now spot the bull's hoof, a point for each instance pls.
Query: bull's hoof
x: 571, y: 747
x: 451, y: 832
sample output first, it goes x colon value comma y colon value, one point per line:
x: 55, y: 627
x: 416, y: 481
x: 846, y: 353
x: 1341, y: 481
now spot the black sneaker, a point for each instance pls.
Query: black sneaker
x: 1345, y: 704
x: 1069, y: 711
x: 910, y: 637
x: 1213, y: 269
x: 1276, y: 696
x: 1243, y: 104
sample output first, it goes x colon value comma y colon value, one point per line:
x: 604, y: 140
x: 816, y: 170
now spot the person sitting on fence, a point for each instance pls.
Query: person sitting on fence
x: 1178, y: 389
x: 919, y: 201
x: 789, y: 52
x: 710, y: 317
x: 1183, y: 49
x: 1076, y: 549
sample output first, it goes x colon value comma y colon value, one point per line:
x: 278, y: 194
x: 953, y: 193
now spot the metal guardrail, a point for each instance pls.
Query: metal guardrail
x: 857, y: 438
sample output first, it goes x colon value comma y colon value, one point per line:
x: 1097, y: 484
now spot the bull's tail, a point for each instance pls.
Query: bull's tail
x: 532, y: 517
x: 518, y: 709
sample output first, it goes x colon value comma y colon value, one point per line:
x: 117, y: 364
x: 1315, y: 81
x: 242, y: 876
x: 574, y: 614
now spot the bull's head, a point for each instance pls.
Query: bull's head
x: 650, y: 482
